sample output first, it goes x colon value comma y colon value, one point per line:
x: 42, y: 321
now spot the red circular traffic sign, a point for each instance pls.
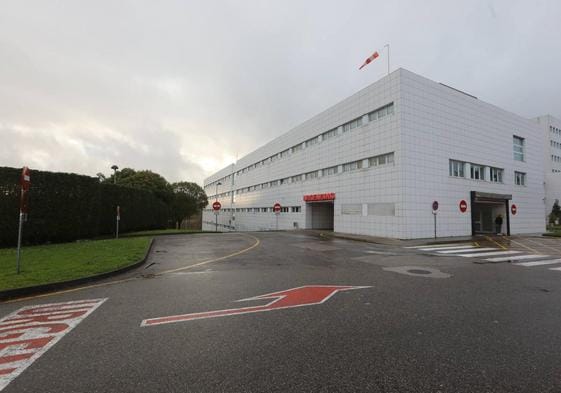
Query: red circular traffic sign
x: 463, y: 206
x: 277, y: 207
x: 513, y: 209
x: 25, y: 179
x: 435, y: 205
x: 216, y: 206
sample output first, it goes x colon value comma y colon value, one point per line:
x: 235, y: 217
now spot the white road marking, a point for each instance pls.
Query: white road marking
x: 488, y: 254
x: 447, y: 248
x: 555, y: 268
x: 517, y: 258
x: 29, y: 332
x: 467, y: 250
x: 441, y: 245
x: 538, y: 263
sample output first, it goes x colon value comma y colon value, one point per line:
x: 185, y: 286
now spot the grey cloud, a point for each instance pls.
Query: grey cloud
x: 183, y: 87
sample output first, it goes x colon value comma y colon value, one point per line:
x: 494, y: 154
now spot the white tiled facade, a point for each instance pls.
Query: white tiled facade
x: 391, y: 145
x: 551, y: 127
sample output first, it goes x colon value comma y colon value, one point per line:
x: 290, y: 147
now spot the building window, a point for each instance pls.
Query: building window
x: 297, y: 148
x: 329, y: 134
x: 296, y: 178
x: 311, y: 175
x: 496, y: 175
x: 383, y: 159
x: 518, y: 148
x: 520, y: 178
x: 457, y: 168
x: 284, y: 209
x: 263, y: 210
x: 477, y: 172
x: 351, y: 166
x: 311, y: 142
x: 381, y: 112
x: 352, y: 124
x: 284, y: 153
x: 330, y: 171
x: 295, y: 209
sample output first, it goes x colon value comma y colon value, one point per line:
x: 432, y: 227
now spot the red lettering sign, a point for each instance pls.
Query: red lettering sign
x: 330, y: 196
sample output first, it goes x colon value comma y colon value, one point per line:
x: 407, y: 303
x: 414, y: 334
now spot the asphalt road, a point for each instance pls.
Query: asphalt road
x: 425, y: 323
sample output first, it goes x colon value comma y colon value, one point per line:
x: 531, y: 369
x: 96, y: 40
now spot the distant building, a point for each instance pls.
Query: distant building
x: 374, y: 164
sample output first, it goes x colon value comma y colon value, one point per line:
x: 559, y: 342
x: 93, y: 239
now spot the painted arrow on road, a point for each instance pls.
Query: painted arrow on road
x: 308, y: 295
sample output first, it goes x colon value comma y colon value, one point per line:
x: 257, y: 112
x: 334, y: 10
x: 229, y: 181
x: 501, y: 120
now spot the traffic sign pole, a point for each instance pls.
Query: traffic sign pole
x: 117, y: 222
x: 216, y: 206
x: 19, y: 241
x: 25, y: 183
x: 434, y: 209
x: 277, y: 210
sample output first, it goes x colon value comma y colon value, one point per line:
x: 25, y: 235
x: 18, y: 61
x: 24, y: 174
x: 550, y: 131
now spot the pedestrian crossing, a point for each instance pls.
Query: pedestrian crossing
x: 491, y: 254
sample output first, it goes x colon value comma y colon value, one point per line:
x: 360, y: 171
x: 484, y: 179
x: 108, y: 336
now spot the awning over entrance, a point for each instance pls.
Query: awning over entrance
x: 489, y: 197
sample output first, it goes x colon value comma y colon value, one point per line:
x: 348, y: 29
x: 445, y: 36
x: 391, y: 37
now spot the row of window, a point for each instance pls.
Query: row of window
x: 479, y: 172
x: 554, y: 130
x: 372, y: 116
x: 285, y: 209
x: 556, y: 170
x: 555, y: 158
x: 557, y: 145
x: 381, y: 160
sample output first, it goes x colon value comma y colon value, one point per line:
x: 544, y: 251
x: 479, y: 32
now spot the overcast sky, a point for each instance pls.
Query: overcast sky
x: 184, y: 87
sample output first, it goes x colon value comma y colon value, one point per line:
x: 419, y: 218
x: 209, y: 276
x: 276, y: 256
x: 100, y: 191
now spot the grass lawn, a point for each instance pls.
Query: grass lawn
x: 158, y: 232
x: 67, y: 261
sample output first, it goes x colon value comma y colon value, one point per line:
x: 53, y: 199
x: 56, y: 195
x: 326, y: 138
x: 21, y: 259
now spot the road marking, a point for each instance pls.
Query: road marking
x: 257, y: 242
x: 29, y: 332
x: 526, y: 247
x: 544, y: 245
x: 441, y: 245
x: 467, y: 250
x: 516, y: 258
x: 308, y: 295
x: 488, y: 254
x: 497, y: 243
x: 447, y: 248
x: 538, y: 263
x: 555, y: 268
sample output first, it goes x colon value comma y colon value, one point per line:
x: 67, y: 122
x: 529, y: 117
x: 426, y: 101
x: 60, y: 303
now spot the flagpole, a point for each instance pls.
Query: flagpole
x: 388, y: 45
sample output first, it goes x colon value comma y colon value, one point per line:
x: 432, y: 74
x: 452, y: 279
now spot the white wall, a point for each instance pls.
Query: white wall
x: 438, y: 124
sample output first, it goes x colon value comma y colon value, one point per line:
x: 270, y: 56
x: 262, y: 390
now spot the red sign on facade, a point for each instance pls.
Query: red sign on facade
x: 463, y: 206
x: 277, y: 207
x: 513, y: 209
x: 216, y: 206
x: 330, y: 196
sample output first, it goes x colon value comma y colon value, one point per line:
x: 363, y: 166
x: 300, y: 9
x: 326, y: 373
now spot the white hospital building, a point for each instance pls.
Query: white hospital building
x: 374, y: 164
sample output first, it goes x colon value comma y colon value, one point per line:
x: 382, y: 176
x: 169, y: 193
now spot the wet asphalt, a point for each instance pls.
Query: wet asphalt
x: 426, y: 323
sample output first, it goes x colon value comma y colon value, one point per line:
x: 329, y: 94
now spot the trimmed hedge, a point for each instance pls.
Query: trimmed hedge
x: 65, y: 207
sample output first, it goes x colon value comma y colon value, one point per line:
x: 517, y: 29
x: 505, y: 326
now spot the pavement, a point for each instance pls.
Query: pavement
x: 421, y: 319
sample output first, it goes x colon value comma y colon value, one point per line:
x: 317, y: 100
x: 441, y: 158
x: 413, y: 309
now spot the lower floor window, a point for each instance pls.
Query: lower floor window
x: 520, y: 178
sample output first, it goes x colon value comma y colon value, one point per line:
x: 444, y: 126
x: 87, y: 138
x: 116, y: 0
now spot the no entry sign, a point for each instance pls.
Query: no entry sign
x: 277, y: 207
x: 463, y: 206
x: 435, y: 206
x: 25, y: 179
x: 513, y: 209
x: 216, y: 206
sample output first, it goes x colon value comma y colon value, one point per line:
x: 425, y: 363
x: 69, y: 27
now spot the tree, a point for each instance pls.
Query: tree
x: 555, y: 212
x: 188, y: 199
x: 146, y: 180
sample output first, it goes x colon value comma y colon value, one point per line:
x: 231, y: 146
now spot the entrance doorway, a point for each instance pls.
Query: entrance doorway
x: 485, y: 208
x: 320, y: 215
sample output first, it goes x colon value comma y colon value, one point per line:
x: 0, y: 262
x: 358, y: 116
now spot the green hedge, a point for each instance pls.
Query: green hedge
x: 65, y: 207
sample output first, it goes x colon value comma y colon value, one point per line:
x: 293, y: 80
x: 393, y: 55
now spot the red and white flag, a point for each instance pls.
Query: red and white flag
x: 370, y: 59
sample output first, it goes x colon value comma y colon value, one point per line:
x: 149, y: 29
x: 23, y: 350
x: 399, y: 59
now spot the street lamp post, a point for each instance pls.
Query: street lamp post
x: 216, y: 211
x: 114, y: 167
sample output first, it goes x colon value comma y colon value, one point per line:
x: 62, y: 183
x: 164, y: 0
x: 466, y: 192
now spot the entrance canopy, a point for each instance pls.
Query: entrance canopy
x: 482, y: 197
